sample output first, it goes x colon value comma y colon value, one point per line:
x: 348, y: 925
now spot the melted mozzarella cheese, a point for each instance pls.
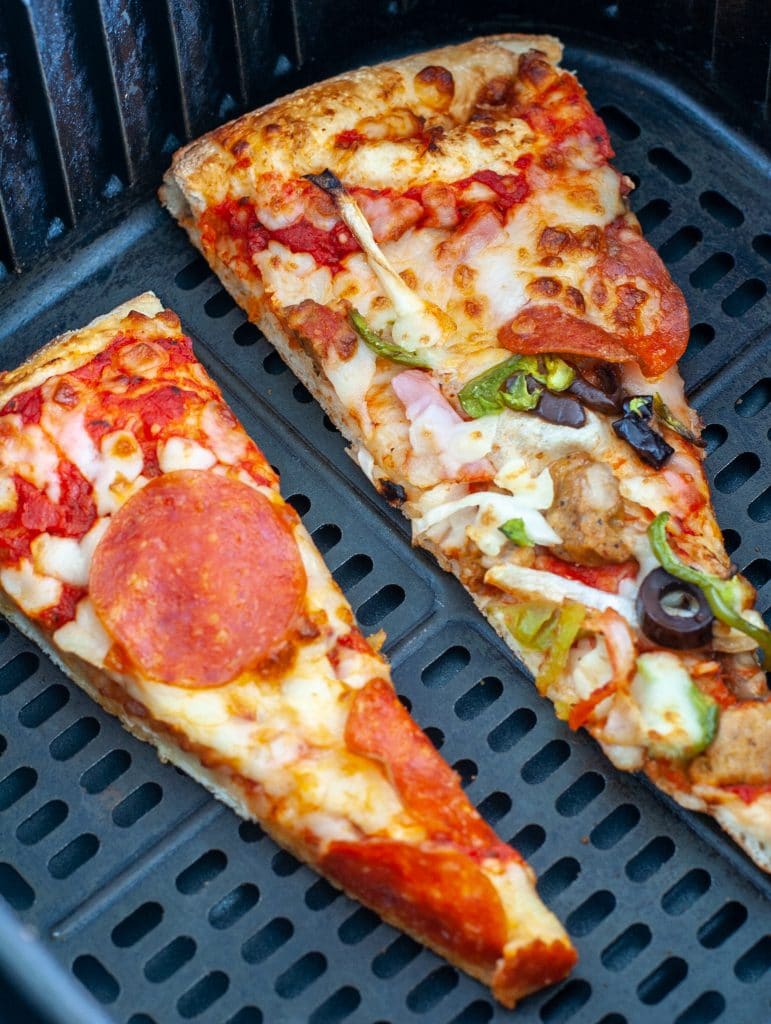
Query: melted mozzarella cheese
x: 352, y: 379
x: 84, y: 635
x: 183, y: 453
x: 9, y: 499
x: 32, y: 592
x: 493, y: 511
x: 293, y: 277
x: 27, y: 451
x: 65, y: 558
x: 515, y: 579
x: 228, y: 445
x: 351, y: 787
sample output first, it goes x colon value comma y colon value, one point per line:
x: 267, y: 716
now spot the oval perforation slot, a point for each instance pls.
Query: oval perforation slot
x: 612, y: 829
x: 44, y: 706
x: 467, y: 770
x: 353, y: 571
x: 395, y: 957
x: 712, y: 270
x: 721, y: 209
x: 358, y: 926
x: 546, y: 762
x: 567, y: 1002
x: 762, y: 246
x: 661, y: 981
x: 685, y: 892
x: 724, y: 923
x: 325, y: 537
x: 703, y: 1010
x: 247, y: 1015
x: 137, y: 804
x: 626, y: 947
x: 680, y: 244
x: 94, y: 975
x: 618, y: 123
x: 336, y: 1007
x: 192, y: 274
x: 743, y: 298
x: 274, y: 364
x: 106, y: 770
x: 701, y: 335
x: 559, y: 877
x: 301, y: 394
x: 732, y: 540
x: 495, y: 807
x: 73, y: 856
x: 714, y: 436
x: 669, y: 165
x: 301, y: 975
x: 284, y: 864
x: 478, y: 1012
x: 435, y: 987
x: 758, y: 572
x: 246, y: 334
x: 74, y: 738
x: 650, y: 859
x: 141, y: 1018
x: 755, y: 399
x: 17, y: 671
x: 529, y: 839
x: 203, y: 994
x: 219, y: 304
x: 201, y: 872
x: 511, y: 730
x: 42, y: 823
x: 321, y: 895
x: 301, y: 503
x: 169, y: 959
x: 759, y: 510
x: 653, y: 213
x: 592, y: 912
x: 16, y: 785
x: 753, y: 965
x: 381, y: 604
x: 435, y: 735
x: 738, y: 471
x: 137, y: 925
x: 577, y: 797
x: 14, y: 888
x: 267, y: 940
x: 444, y: 668
x: 232, y: 907
x: 479, y: 698
x: 250, y: 832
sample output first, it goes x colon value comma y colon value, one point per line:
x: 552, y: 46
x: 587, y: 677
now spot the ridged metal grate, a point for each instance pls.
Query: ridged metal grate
x: 167, y: 908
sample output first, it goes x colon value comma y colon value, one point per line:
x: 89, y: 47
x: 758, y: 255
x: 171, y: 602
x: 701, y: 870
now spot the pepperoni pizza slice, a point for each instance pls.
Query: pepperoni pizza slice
x: 145, y: 546
x: 441, y: 250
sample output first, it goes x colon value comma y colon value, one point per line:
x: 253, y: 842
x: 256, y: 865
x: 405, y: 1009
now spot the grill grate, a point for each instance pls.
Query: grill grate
x: 167, y: 908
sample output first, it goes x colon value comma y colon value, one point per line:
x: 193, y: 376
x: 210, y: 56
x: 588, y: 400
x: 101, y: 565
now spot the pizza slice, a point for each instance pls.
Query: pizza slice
x: 442, y: 252
x: 145, y: 546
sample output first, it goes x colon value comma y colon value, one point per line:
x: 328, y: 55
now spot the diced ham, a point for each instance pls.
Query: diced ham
x: 322, y: 329
x: 388, y: 216
x: 440, y: 206
x: 477, y: 231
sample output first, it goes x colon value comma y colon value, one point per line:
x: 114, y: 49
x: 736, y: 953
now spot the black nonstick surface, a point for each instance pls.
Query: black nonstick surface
x: 127, y: 876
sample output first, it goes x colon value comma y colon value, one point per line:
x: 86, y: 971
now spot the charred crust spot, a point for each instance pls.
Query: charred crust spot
x: 434, y: 136
x: 435, y: 86
x: 551, y: 261
x: 599, y: 293
x: 553, y: 240
x: 545, y: 287
x: 272, y: 129
x: 536, y: 69
x: 409, y: 278
x: 574, y: 298
x: 496, y: 93
x: 240, y: 148
x: 463, y: 276
x: 473, y: 308
x: 65, y: 394
x: 393, y: 493
x: 629, y: 300
x: 590, y: 238
x: 552, y: 160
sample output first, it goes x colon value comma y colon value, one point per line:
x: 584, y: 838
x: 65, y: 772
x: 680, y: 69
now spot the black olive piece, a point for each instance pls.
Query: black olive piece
x: 561, y: 409
x: 594, y: 398
x: 393, y: 493
x: 643, y: 406
x: 673, y: 613
x: 650, y: 446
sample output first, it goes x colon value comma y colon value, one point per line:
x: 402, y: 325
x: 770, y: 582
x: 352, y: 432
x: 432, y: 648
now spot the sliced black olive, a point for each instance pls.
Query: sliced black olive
x: 638, y: 405
x: 393, y: 493
x: 560, y: 409
x: 593, y: 397
x: 673, y: 613
x: 650, y: 446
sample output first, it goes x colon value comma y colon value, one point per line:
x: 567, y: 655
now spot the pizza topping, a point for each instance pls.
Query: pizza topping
x: 635, y: 429
x: 438, y: 892
x: 664, y: 413
x: 505, y: 385
x: 323, y: 329
x: 31, y: 591
x: 604, y: 396
x: 197, y: 613
x: 516, y: 531
x: 741, y: 751
x: 563, y: 410
x: 673, y: 613
x: 728, y: 598
x: 435, y: 87
x: 383, y: 348
x: 601, y: 577
x: 493, y: 510
x: 539, y: 626
x: 679, y: 720
x: 518, y: 580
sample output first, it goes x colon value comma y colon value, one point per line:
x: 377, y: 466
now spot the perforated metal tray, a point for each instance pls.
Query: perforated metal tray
x: 129, y: 877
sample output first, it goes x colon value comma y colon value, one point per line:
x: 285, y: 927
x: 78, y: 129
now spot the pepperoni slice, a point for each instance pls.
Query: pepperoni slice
x: 379, y: 727
x: 198, y: 578
x: 438, y: 893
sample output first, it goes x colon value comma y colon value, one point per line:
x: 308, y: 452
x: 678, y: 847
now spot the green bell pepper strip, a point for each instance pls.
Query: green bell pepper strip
x: 541, y: 626
x: 518, y: 397
x: 383, y: 348
x: 515, y: 530
x: 666, y: 416
x: 482, y: 395
x: 723, y: 596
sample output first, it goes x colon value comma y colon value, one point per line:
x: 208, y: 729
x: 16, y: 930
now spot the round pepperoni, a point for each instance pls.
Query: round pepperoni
x: 198, y: 578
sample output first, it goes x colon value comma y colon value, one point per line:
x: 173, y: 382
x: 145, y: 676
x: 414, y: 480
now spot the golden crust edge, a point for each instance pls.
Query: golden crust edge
x: 188, y: 161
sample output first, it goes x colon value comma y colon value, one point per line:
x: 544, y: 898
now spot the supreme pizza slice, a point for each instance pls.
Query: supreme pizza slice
x: 442, y: 252
x: 145, y: 546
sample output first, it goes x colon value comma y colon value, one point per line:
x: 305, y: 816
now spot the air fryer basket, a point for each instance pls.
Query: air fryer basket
x: 123, y: 873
